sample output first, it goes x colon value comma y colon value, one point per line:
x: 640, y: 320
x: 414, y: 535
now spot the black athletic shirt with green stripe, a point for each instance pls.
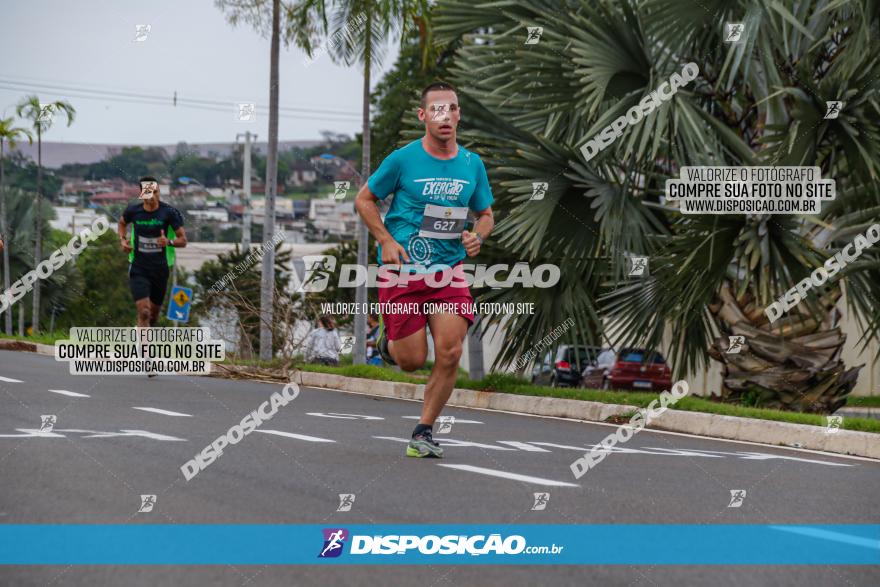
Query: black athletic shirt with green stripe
x: 146, y: 228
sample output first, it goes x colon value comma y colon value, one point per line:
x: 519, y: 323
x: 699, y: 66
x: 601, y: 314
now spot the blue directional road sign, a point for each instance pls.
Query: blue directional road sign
x: 181, y: 300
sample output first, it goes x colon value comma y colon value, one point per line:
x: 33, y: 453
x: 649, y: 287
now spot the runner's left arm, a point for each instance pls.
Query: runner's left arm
x: 481, y: 206
x: 176, y: 222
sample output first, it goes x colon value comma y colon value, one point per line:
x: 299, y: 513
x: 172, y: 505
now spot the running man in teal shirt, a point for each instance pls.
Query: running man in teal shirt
x: 438, y: 186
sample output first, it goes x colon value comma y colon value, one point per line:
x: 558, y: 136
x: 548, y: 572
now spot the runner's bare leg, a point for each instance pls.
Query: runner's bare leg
x: 410, y: 351
x: 448, y: 332
x: 154, y: 313
x: 143, y: 312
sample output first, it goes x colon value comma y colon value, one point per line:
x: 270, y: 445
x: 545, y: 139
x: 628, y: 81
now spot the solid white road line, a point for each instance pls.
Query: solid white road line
x: 9, y: 380
x: 513, y: 476
x: 70, y: 393
x: 164, y: 412
x: 297, y: 436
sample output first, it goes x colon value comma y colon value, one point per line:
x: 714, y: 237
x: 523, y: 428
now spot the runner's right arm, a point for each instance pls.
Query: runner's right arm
x: 123, y: 235
x: 365, y: 204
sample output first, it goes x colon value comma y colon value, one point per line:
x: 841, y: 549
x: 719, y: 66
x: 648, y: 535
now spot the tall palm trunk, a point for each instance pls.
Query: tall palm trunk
x: 793, y: 365
x: 38, y: 246
x: 21, y: 307
x: 267, y: 281
x: 360, y: 319
x: 5, y: 234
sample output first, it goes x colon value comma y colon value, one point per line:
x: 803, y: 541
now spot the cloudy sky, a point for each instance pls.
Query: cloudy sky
x: 85, y: 52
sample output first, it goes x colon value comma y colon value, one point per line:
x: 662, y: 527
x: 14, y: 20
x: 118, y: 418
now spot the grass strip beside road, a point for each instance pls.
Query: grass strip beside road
x: 505, y: 383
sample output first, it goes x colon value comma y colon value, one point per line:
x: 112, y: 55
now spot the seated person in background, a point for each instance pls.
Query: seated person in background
x: 322, y: 345
x: 373, y: 357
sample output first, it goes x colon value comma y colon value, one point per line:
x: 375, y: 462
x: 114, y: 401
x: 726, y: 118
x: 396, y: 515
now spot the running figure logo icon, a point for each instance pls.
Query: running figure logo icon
x: 147, y: 503
x: 444, y: 424
x: 737, y: 496
x: 341, y: 189
x: 247, y: 112
x: 541, y: 500
x: 347, y: 345
x: 334, y: 540
x: 735, y: 344
x: 318, y: 270
x: 638, y: 266
x: 834, y: 424
x: 47, y: 423
x: 539, y: 190
x: 439, y: 112
x: 832, y: 109
x: 734, y: 31
x: 346, y: 500
x: 141, y: 32
x: 47, y: 114
x: 534, y: 35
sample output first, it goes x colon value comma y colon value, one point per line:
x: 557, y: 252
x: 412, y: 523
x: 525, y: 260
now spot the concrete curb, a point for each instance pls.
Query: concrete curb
x: 10, y: 344
x: 849, y: 442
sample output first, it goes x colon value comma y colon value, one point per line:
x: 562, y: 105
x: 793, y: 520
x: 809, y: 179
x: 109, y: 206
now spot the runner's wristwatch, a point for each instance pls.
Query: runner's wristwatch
x: 479, y: 238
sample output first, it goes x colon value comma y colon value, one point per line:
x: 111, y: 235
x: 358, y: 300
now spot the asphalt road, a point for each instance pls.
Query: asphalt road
x: 116, y: 438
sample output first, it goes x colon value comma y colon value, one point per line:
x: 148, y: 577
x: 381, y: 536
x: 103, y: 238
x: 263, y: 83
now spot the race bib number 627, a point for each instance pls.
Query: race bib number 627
x: 444, y: 222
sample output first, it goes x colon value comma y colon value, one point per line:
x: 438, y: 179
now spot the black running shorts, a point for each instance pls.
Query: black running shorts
x: 148, y: 283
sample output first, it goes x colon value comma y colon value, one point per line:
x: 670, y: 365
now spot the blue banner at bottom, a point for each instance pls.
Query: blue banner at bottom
x: 628, y: 544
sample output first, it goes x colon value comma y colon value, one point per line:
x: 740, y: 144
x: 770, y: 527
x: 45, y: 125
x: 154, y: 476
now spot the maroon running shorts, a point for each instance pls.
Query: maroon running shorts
x: 403, y: 307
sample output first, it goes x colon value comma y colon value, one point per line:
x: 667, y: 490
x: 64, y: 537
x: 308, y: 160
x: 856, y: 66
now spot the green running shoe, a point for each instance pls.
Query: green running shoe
x: 423, y: 445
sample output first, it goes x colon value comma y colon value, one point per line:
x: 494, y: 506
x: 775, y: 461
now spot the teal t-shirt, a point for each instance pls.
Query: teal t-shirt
x: 418, y: 180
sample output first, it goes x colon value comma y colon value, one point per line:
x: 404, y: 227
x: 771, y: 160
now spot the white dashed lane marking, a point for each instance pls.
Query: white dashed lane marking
x: 296, y: 436
x: 343, y: 416
x: 68, y: 393
x: 455, y: 421
x: 508, y: 475
x: 10, y: 380
x: 164, y: 412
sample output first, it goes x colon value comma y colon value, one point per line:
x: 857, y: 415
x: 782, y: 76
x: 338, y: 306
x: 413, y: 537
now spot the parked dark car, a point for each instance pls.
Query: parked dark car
x: 563, y: 368
x: 639, y: 370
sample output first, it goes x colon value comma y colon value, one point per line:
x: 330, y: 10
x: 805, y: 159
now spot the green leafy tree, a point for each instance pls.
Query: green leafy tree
x: 759, y: 102
x: 9, y: 135
x: 101, y: 297
x: 41, y: 117
x: 358, y: 32
x: 20, y: 244
x: 232, y: 284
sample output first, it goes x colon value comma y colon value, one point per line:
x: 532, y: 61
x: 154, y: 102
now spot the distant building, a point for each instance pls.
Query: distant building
x: 333, y: 218
x: 283, y: 209
x: 71, y: 219
x: 214, y: 214
x: 302, y: 173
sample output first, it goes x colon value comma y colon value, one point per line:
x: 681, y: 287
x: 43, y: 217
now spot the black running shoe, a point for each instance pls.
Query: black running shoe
x: 382, y: 344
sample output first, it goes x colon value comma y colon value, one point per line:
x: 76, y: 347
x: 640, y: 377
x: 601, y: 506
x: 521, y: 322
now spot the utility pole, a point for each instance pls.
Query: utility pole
x: 267, y: 276
x: 246, y: 185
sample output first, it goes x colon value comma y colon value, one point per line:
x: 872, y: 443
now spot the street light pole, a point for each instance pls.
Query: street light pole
x: 359, y: 353
x: 246, y: 185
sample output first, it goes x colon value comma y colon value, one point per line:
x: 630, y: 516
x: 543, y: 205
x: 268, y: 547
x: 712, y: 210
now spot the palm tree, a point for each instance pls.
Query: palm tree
x: 41, y: 116
x: 8, y: 134
x: 530, y: 108
x: 258, y: 14
x: 358, y: 32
